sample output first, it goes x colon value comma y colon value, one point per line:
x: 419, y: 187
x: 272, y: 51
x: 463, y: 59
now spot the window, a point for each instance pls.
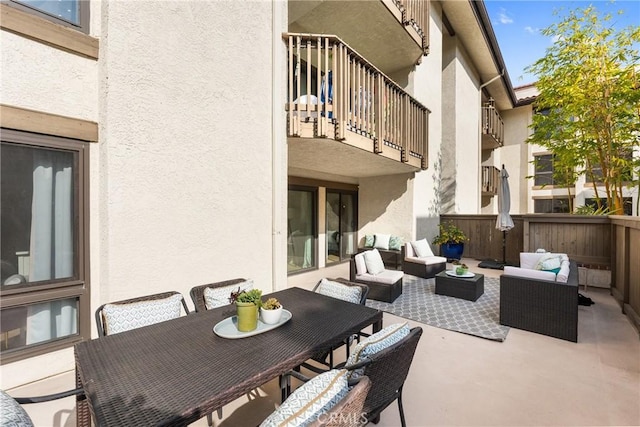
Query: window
x: 553, y: 205
x: 43, y: 223
x: 301, y: 224
x: 627, y: 204
x: 627, y: 173
x: 70, y: 13
x: 547, y: 172
x: 341, y: 223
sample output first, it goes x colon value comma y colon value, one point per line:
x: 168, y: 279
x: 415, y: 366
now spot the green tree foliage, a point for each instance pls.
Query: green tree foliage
x: 589, y: 83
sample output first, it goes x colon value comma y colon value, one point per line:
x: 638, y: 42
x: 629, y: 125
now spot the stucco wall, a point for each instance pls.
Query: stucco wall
x: 514, y: 155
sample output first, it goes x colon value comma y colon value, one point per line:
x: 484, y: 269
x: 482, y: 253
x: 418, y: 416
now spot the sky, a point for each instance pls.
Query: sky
x: 518, y: 24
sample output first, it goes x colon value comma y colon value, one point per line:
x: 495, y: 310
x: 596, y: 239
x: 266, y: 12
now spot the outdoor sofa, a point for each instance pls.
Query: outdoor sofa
x: 540, y: 301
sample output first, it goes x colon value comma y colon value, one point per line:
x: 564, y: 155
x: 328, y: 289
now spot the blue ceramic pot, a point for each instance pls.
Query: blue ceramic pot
x: 452, y: 250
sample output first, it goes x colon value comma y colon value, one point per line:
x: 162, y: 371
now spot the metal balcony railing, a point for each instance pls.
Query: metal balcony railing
x: 332, y: 86
x: 492, y: 125
x: 490, y: 179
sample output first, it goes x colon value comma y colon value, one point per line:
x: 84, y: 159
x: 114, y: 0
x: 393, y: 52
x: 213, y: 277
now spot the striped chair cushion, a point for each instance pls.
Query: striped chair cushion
x: 11, y: 413
x: 124, y: 317
x: 340, y: 291
x: 375, y: 343
x: 217, y: 297
x: 314, y: 398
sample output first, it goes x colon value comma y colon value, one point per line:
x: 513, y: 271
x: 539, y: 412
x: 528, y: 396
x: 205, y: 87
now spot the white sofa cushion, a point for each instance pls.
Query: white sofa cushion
x: 388, y: 277
x: 381, y: 241
x: 426, y: 260
x: 408, y: 250
x: 374, y: 263
x: 563, y: 274
x: 421, y: 248
x: 529, y: 273
x: 361, y: 266
x: 529, y: 259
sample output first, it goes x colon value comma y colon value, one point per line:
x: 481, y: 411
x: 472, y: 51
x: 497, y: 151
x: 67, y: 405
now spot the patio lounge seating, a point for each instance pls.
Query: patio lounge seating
x: 540, y: 301
x: 368, y: 268
x: 425, y: 264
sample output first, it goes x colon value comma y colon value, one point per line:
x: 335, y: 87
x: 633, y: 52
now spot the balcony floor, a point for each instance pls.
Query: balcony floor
x: 457, y: 379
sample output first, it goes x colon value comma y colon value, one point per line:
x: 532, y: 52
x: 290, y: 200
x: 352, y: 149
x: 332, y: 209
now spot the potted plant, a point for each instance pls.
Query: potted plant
x: 461, y: 269
x: 271, y: 311
x: 451, y: 240
x: 247, y: 305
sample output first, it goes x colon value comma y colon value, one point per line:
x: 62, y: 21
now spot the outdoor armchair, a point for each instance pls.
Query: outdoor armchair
x: 12, y: 414
x: 425, y: 264
x: 136, y: 312
x: 216, y: 293
x: 368, y: 268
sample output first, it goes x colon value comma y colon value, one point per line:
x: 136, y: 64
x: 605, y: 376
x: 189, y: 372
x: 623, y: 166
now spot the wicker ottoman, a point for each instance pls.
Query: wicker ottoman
x: 470, y: 288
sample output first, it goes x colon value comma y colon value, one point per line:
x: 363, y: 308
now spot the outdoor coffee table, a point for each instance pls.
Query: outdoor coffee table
x: 470, y: 288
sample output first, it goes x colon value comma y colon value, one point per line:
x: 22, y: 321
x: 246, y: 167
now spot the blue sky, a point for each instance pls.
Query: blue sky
x: 517, y: 24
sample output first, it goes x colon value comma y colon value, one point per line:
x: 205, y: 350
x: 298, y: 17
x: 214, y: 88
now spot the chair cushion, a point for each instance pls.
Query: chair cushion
x: 426, y: 260
x: 529, y: 259
x: 361, y: 266
x: 217, y: 297
x: 124, y: 317
x: 375, y: 343
x: 11, y: 413
x: 368, y: 240
x: 395, y: 243
x: 374, y: 262
x: 408, y: 250
x: 340, y: 291
x: 529, y: 273
x: 387, y: 277
x: 312, y: 399
x: 563, y: 274
x: 381, y: 241
x: 422, y: 248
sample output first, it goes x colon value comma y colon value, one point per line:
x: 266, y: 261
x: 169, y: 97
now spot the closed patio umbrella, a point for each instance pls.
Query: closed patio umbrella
x: 504, y: 222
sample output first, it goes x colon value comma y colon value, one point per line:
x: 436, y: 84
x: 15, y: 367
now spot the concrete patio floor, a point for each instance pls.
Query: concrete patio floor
x: 462, y: 380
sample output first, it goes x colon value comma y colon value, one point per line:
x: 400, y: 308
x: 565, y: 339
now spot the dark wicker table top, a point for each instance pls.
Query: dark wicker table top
x: 176, y: 372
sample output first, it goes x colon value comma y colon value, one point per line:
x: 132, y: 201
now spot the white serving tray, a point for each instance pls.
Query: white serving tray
x: 465, y: 275
x: 227, y: 328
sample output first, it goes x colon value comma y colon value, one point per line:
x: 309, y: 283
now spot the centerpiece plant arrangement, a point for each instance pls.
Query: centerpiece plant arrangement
x: 461, y: 268
x: 451, y: 240
x: 271, y: 311
x: 247, y: 304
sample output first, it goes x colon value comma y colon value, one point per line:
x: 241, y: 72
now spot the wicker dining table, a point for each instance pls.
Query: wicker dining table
x: 178, y: 371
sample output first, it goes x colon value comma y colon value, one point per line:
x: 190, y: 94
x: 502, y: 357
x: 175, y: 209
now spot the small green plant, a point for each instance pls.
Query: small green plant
x: 449, y: 233
x: 252, y: 295
x: 271, y: 304
x: 591, y: 210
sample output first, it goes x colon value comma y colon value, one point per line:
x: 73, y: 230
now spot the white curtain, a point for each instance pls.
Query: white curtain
x: 51, y: 246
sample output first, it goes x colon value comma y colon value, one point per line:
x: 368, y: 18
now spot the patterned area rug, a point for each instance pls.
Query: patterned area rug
x: 420, y: 303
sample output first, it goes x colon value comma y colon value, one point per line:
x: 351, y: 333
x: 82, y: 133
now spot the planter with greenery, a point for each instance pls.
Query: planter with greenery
x: 451, y: 240
x: 247, y: 305
x: 271, y: 311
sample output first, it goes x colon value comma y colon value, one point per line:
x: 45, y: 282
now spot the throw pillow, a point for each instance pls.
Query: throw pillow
x: 340, y: 291
x: 422, y: 248
x: 217, y: 297
x: 375, y: 343
x: 368, y: 240
x: 312, y: 399
x: 395, y: 243
x: 381, y: 241
x: 361, y: 266
x: 549, y: 262
x: 373, y: 261
x: 12, y: 414
x: 124, y: 317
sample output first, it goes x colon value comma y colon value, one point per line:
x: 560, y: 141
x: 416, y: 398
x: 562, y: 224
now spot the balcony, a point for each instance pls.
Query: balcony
x: 334, y: 94
x: 368, y: 27
x: 492, y: 127
x: 490, y: 180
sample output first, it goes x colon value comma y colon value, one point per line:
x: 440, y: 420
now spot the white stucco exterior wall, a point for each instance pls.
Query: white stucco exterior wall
x: 514, y: 155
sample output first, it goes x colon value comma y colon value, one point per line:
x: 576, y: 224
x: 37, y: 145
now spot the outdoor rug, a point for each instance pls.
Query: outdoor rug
x: 419, y: 302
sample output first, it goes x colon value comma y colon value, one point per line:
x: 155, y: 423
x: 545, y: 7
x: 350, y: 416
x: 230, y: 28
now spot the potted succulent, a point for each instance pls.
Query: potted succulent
x: 247, y: 305
x: 271, y: 311
x: 451, y: 240
x: 461, y: 269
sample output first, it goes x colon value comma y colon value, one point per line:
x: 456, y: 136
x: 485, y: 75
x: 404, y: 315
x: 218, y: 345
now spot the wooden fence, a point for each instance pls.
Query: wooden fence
x: 600, y: 242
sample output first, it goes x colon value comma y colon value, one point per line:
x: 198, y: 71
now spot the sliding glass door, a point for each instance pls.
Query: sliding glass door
x: 341, y: 225
x: 301, y: 224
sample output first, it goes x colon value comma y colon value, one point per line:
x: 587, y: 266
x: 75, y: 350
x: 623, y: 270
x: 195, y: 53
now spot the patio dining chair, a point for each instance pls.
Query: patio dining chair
x: 141, y: 311
x: 213, y: 295
x: 330, y: 399
x: 13, y: 414
x: 347, y: 291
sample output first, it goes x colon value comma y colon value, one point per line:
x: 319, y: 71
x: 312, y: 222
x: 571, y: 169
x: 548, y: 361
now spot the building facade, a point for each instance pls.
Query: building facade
x: 213, y: 140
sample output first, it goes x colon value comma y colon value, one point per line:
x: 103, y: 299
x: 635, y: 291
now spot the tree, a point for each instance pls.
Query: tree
x: 589, y: 83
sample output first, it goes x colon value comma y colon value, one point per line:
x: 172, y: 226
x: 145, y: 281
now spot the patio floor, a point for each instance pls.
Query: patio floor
x: 462, y: 380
